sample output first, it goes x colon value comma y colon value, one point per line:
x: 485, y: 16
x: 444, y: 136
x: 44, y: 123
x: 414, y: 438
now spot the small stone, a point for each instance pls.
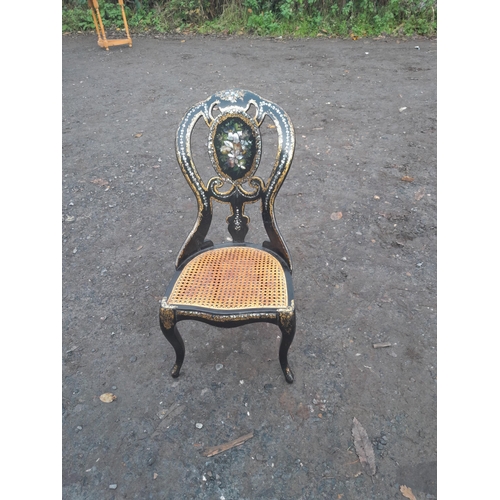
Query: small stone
x: 218, y: 366
x: 113, y: 486
x: 79, y: 427
x: 133, y: 359
x: 199, y: 426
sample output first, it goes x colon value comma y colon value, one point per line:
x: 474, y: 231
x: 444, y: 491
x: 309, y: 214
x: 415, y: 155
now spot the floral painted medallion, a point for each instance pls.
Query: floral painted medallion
x: 236, y: 145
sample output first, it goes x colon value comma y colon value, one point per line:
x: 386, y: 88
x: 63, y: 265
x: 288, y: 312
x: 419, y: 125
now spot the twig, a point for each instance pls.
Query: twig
x: 382, y: 344
x: 215, y: 450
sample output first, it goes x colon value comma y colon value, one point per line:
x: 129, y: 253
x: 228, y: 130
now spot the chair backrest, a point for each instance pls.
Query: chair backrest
x: 234, y: 146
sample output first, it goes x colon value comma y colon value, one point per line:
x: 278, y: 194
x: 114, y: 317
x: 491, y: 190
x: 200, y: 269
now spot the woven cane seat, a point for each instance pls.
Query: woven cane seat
x: 231, y: 278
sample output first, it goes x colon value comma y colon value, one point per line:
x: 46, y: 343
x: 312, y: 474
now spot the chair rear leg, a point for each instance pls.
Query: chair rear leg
x: 287, y: 327
x: 173, y: 336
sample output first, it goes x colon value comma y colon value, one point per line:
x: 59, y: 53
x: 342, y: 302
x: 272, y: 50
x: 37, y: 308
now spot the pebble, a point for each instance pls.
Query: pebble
x: 113, y: 486
x: 133, y: 359
x: 218, y: 366
x: 199, y: 426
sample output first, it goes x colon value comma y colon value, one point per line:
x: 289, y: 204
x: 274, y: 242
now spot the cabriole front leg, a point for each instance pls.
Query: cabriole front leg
x: 286, y: 322
x: 169, y: 329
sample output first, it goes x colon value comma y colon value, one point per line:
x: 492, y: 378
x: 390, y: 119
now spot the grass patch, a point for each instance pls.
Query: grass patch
x: 290, y: 18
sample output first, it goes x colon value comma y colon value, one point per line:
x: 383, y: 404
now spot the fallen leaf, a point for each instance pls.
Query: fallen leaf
x: 107, y: 397
x: 303, y: 412
x: 336, y: 215
x: 364, y: 448
x: 419, y: 194
x: 100, y: 182
x: 407, y: 178
x: 354, y: 37
x: 139, y: 134
x: 406, y: 492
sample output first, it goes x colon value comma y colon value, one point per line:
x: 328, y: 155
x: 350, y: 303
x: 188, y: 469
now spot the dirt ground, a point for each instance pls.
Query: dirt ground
x: 358, y: 211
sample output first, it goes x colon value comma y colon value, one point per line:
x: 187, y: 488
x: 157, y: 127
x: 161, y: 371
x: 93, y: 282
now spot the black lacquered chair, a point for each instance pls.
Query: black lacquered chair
x: 231, y: 284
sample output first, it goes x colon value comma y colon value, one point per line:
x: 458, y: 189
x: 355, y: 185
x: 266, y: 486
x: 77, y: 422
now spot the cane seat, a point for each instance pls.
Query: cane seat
x: 231, y: 278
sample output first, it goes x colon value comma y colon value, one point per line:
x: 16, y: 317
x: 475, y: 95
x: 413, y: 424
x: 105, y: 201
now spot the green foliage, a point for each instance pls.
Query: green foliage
x: 80, y: 18
x: 301, y: 18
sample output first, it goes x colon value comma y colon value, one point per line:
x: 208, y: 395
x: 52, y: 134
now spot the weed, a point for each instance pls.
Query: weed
x: 299, y: 18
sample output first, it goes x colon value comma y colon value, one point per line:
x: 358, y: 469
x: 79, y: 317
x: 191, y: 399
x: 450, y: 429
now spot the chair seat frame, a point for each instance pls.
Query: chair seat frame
x: 244, y: 188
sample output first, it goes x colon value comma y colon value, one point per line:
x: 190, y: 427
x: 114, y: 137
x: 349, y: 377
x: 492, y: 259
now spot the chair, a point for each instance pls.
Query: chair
x: 232, y: 284
x: 102, y: 40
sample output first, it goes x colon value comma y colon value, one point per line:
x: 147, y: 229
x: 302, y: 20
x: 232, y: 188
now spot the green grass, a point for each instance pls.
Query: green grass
x: 288, y: 18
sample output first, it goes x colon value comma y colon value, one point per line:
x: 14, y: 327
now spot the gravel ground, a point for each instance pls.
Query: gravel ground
x: 358, y: 211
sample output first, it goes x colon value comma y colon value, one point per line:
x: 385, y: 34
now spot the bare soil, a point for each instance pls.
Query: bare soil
x: 358, y: 212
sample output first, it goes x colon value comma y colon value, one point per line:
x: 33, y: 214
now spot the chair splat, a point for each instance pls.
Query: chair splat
x: 234, y: 146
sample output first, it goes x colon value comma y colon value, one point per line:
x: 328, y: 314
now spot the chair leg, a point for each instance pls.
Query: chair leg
x: 286, y: 322
x: 173, y: 336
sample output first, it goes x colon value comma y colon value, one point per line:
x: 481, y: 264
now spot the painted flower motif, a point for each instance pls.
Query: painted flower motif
x: 230, y: 95
x: 235, y: 145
